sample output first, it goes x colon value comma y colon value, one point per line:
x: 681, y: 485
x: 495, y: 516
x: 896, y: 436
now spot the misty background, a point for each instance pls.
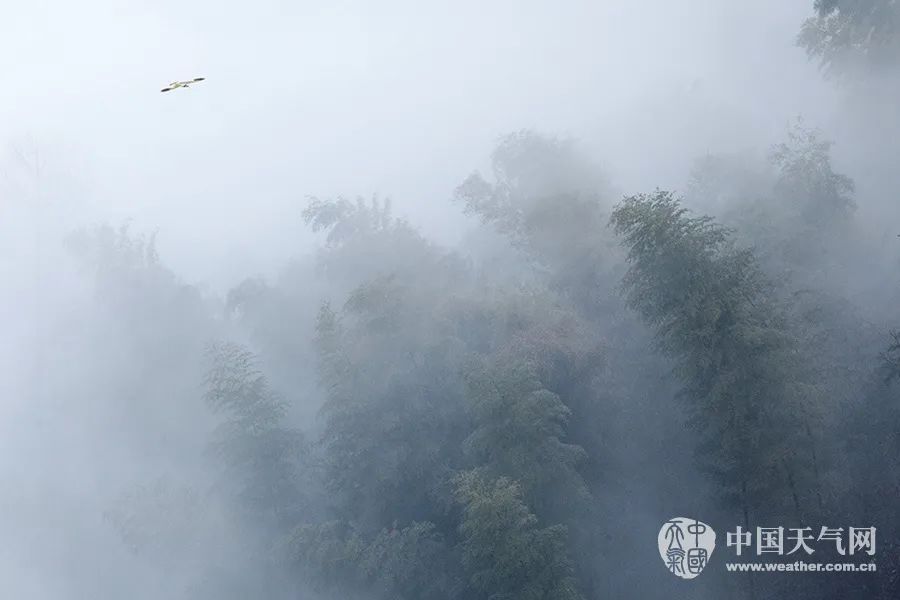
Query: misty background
x: 137, y: 228
x: 345, y: 98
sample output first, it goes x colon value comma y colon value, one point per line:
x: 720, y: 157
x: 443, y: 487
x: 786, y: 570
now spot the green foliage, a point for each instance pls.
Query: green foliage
x: 807, y: 180
x: 847, y: 35
x: 529, y: 171
x: 550, y: 200
x: 344, y: 220
x: 506, y: 553
x: 869, y: 443
x: 389, y: 364
x: 797, y: 211
x: 262, y: 456
x: 496, y: 436
x: 394, y: 404
x: 364, y: 241
x: 426, y: 373
x: 411, y: 562
x: 712, y: 311
x: 519, y: 427
x: 326, y: 553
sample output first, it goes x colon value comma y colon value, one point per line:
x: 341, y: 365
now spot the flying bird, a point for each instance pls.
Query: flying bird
x: 181, y: 84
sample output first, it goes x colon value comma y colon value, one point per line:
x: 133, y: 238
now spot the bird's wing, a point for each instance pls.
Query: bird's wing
x: 199, y: 78
x: 165, y: 89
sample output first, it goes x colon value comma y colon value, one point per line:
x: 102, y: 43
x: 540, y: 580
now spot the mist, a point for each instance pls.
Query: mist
x: 307, y: 327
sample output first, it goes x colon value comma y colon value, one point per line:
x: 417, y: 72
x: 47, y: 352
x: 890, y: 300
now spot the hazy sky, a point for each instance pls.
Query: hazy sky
x: 398, y: 98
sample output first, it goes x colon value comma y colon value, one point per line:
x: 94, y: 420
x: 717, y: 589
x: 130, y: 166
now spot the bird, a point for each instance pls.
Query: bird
x: 181, y: 84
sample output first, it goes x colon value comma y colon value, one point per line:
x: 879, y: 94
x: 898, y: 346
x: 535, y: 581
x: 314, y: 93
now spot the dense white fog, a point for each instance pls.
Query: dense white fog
x: 139, y: 227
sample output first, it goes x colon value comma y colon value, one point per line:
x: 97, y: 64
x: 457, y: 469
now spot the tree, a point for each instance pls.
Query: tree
x: 797, y: 211
x: 807, y: 179
x: 712, y: 310
x: 507, y: 555
x: 427, y: 372
x: 389, y: 364
x: 549, y: 199
x: 846, y: 35
x: 550, y: 202
x: 869, y: 443
x: 410, y: 562
x: 394, y: 406
x: 261, y: 456
x: 363, y: 241
x: 519, y: 431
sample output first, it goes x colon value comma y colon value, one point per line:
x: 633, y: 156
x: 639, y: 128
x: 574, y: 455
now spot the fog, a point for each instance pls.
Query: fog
x: 138, y: 230
x: 398, y: 99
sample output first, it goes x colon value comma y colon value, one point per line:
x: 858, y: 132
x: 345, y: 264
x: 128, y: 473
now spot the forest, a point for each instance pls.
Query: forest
x: 513, y: 417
